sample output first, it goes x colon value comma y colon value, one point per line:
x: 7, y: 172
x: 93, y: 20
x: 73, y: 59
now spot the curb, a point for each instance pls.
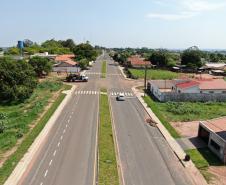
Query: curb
x: 197, y: 177
x: 23, y: 164
x: 124, y: 75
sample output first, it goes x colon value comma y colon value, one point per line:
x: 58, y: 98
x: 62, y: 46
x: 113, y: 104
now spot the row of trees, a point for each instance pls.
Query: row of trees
x: 84, y: 52
x: 19, y: 78
x: 51, y: 46
x: 192, y: 57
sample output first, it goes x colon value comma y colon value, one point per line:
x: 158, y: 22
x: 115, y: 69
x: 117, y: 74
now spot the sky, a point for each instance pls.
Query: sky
x: 172, y: 24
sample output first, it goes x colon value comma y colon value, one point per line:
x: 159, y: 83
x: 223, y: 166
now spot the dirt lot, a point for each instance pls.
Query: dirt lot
x: 187, y: 129
x: 190, y: 129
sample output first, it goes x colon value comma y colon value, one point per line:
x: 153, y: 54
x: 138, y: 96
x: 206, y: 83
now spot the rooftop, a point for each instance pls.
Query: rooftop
x: 137, y: 60
x: 64, y: 57
x: 212, y: 84
x: 188, y: 84
x: 69, y: 59
x: 218, y: 126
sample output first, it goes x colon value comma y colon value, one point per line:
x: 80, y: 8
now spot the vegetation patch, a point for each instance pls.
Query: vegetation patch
x: 154, y: 107
x: 191, y: 111
x: 103, y: 69
x: 108, y: 173
x: 203, y: 158
x: 152, y: 74
x: 21, y: 117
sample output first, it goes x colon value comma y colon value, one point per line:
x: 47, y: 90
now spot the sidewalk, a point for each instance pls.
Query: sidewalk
x: 22, y: 165
x: 197, y: 177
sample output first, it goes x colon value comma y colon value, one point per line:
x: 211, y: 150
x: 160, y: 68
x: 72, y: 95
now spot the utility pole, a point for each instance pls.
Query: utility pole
x: 145, y: 79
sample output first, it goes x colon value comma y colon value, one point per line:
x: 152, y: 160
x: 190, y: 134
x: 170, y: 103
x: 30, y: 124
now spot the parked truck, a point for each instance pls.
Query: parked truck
x: 77, y: 78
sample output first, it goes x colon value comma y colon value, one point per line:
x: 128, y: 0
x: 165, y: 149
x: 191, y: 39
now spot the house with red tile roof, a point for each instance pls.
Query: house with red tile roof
x: 201, y: 86
x: 188, y: 89
x: 65, y: 60
x: 136, y: 61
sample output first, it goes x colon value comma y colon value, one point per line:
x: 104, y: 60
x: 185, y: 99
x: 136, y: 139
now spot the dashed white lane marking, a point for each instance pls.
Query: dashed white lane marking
x: 50, y: 162
x: 68, y: 120
x: 64, y: 131
x: 72, y: 112
x: 54, y: 153
x: 61, y: 137
x: 46, y: 173
x: 66, y: 125
x: 58, y: 144
x: 41, y: 183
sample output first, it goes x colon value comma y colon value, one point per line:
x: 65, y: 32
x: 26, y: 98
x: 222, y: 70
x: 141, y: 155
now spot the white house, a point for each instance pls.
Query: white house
x: 182, y: 90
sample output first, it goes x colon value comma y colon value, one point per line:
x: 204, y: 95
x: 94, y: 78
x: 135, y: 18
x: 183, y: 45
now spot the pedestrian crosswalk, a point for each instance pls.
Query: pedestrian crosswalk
x: 111, y: 93
x: 127, y: 94
x: 94, y: 73
x: 87, y: 92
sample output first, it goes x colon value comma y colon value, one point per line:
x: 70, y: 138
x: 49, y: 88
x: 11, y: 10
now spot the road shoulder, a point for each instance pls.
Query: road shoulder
x: 23, y: 164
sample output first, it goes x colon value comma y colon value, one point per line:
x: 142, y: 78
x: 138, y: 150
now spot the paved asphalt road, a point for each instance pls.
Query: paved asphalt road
x: 145, y: 156
x: 68, y: 155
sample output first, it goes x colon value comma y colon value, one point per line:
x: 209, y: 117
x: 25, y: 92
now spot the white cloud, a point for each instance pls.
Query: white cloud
x: 172, y: 17
x: 201, y: 5
x: 189, y: 8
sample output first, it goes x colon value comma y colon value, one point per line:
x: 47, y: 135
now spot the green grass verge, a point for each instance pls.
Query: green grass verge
x: 108, y: 173
x: 103, y: 69
x: 192, y: 111
x: 11, y: 163
x: 152, y: 104
x: 20, y: 117
x: 154, y: 74
x: 203, y: 158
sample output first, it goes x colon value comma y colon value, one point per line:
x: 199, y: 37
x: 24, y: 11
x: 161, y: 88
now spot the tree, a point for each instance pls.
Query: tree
x: 55, y: 47
x: 214, y: 58
x: 13, y: 51
x: 85, y: 51
x: 83, y: 64
x: 69, y: 43
x: 191, y: 58
x: 17, y: 80
x: 41, y: 65
x: 159, y: 58
x: 28, y: 43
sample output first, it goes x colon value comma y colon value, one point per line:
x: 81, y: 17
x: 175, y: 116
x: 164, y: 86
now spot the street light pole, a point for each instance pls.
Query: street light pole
x: 145, y: 79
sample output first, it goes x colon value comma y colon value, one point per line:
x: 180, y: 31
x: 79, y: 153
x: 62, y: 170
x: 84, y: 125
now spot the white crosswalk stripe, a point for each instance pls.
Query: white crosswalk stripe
x: 127, y: 94
x: 86, y: 92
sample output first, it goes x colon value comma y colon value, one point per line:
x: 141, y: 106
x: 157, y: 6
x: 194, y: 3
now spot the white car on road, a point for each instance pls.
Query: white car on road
x: 120, y: 97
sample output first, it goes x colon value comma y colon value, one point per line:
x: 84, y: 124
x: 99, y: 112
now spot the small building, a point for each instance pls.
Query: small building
x: 136, y: 61
x: 44, y: 55
x: 66, y: 63
x: 188, y: 89
x: 215, y: 66
x: 213, y: 133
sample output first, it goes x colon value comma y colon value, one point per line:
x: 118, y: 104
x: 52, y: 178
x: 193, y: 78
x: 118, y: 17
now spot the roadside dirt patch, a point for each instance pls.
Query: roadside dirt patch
x: 220, y: 174
x: 186, y: 129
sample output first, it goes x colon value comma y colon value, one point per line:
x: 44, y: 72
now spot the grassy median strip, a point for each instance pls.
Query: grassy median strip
x: 108, y: 173
x: 103, y: 69
x: 155, y: 109
x: 11, y: 163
